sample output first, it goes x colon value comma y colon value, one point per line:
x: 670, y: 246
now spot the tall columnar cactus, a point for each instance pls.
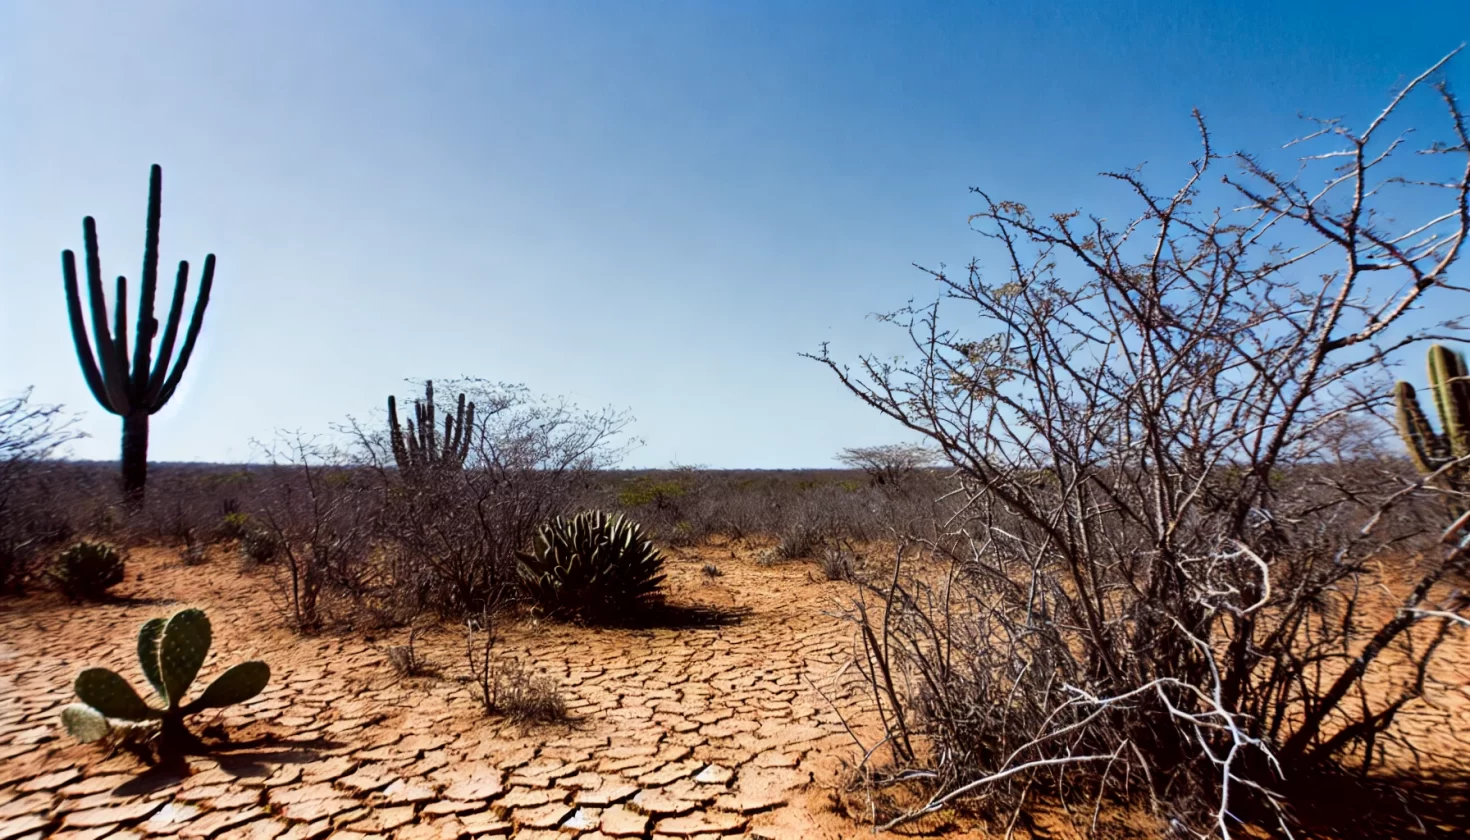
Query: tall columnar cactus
x: 1430, y: 451
x: 135, y: 392
x: 420, y: 450
x: 170, y: 653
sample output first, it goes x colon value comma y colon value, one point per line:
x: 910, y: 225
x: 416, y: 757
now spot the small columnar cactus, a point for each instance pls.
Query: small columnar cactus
x: 88, y: 569
x: 1432, y: 451
x: 170, y: 653
x: 591, y: 565
x: 420, y: 450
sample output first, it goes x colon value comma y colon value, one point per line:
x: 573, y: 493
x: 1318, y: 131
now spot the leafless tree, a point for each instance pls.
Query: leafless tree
x: 888, y: 464
x: 1160, y: 583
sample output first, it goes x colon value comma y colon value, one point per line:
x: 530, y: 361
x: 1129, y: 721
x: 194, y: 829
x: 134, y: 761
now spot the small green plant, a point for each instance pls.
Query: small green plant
x: 170, y: 653
x: 259, y: 546
x: 234, y: 526
x: 710, y: 570
x: 647, y: 490
x: 592, y: 566
x: 88, y: 570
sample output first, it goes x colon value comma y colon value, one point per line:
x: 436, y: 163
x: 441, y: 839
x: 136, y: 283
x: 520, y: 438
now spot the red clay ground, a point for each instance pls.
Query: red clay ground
x: 697, y: 731
x: 687, y: 732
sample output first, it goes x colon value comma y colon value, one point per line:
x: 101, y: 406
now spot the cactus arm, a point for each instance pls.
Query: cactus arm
x: 206, y: 282
x: 395, y: 435
x: 181, y: 652
x: 1457, y: 398
x: 236, y: 685
x: 148, y: 655
x: 466, y: 430
x: 79, y: 331
x: 147, y: 326
x: 427, y: 425
x: 1442, y: 370
x: 85, y: 723
x: 170, y: 335
x: 120, y: 337
x: 110, y: 694
x: 112, y: 377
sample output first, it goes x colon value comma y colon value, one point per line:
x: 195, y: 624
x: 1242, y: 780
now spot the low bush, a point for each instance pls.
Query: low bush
x: 233, y: 526
x: 88, y: 569
x: 259, y: 546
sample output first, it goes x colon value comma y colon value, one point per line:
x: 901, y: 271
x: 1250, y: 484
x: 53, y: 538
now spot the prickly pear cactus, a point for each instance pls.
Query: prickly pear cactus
x: 171, y: 653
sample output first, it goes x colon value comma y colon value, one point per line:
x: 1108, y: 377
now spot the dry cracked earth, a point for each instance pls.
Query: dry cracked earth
x: 724, y: 729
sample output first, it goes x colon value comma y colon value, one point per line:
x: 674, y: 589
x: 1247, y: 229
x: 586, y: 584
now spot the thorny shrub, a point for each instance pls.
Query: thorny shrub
x: 1160, y: 587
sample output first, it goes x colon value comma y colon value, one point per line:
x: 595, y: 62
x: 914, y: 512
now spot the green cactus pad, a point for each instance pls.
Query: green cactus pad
x: 85, y: 723
x: 236, y: 685
x: 182, y: 650
x: 110, y: 694
x: 148, y: 655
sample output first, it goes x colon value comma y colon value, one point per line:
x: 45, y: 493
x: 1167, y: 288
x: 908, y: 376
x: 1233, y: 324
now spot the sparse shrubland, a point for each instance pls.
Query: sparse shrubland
x: 30, y: 522
x: 1158, y: 552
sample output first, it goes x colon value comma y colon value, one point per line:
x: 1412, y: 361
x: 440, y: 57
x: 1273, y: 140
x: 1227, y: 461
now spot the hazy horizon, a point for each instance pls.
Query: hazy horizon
x: 652, y: 208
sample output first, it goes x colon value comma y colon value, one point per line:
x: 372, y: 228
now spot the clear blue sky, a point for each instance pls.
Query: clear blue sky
x: 650, y: 205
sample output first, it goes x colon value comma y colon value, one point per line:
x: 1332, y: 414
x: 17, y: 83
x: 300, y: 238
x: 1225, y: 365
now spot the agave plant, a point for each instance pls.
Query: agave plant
x: 170, y: 653
x: 591, y: 565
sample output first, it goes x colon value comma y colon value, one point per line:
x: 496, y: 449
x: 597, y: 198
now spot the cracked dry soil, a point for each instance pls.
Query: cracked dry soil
x: 714, y: 730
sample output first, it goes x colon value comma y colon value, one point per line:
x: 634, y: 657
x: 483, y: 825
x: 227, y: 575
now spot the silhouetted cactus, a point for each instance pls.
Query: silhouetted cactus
x: 420, y: 451
x: 135, y: 392
x: 591, y: 565
x: 88, y: 569
x: 1429, y: 450
x: 170, y: 653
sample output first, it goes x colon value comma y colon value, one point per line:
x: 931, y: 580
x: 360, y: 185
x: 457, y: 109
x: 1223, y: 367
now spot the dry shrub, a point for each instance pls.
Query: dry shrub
x: 525, y: 697
x: 502, y: 685
x: 30, y: 434
x: 321, y: 513
x: 1153, y: 590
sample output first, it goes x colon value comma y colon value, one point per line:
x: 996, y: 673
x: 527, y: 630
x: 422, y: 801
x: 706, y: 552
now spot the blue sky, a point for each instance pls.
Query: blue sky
x: 654, y: 206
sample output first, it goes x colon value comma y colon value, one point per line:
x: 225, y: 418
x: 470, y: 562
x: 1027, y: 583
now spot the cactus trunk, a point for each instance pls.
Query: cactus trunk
x: 134, y: 457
